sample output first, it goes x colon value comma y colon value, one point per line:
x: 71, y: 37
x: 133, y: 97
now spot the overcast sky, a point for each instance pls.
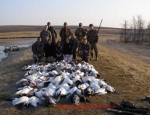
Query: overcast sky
x: 39, y: 12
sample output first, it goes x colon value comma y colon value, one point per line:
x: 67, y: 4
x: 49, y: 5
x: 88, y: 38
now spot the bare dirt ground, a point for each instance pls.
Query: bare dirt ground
x: 123, y: 66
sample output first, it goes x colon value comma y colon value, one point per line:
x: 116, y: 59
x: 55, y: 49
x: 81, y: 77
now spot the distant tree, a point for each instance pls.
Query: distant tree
x: 138, y: 25
x: 134, y: 25
x: 125, y: 27
x: 148, y: 32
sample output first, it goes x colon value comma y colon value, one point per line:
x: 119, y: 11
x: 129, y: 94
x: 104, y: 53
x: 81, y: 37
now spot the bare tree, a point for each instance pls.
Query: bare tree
x: 124, y: 31
x: 138, y: 25
x: 148, y: 32
x: 134, y: 22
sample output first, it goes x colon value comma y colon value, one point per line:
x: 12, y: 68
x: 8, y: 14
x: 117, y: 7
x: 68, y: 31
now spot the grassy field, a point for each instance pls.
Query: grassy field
x: 127, y: 73
x: 34, y: 31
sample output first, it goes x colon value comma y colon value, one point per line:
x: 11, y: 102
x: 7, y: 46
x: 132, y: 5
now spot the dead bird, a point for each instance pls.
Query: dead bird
x: 51, y: 100
x: 89, y: 91
x: 73, y: 98
x: 23, y: 82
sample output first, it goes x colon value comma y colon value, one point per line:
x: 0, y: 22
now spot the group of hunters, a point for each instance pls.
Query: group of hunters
x: 81, y: 43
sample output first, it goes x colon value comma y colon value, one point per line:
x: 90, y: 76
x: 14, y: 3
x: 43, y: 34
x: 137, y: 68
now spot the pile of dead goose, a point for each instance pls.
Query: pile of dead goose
x: 45, y: 84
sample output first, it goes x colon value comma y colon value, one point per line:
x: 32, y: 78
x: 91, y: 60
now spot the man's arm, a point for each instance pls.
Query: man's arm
x: 76, y: 32
x: 50, y: 35
x: 60, y: 33
x: 55, y: 33
x: 33, y: 49
x: 41, y: 34
x: 87, y: 37
x: 69, y: 32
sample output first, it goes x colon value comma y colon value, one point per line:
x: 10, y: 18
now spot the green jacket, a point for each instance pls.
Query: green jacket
x: 92, y: 36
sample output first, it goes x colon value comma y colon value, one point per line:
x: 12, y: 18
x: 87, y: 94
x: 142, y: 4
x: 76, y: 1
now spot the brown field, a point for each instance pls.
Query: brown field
x: 123, y: 66
x: 33, y: 31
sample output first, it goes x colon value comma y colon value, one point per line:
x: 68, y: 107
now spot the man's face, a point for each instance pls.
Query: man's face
x: 38, y: 40
x: 91, y: 27
x: 65, y: 25
x: 72, y: 36
x: 80, y: 26
x: 48, y: 24
x: 46, y: 27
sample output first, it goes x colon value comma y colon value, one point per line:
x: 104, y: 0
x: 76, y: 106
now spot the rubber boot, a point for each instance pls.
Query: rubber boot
x: 92, y: 56
x: 96, y: 55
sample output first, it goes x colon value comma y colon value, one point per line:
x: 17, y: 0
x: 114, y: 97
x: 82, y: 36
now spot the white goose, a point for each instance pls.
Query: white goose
x: 110, y: 89
x: 72, y: 90
x: 33, y: 101
x: 23, y: 99
x: 100, y: 91
x: 62, y: 91
x: 25, y: 90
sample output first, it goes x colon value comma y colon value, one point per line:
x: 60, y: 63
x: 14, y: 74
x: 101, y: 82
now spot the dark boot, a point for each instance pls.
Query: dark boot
x: 96, y: 55
x: 92, y: 56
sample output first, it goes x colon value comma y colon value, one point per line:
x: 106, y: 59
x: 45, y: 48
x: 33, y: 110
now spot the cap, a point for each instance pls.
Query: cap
x: 80, y: 24
x: 65, y: 23
x: 90, y: 25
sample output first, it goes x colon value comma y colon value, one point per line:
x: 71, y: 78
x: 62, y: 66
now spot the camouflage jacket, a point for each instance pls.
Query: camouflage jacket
x: 92, y: 36
x: 65, y: 33
x: 81, y: 33
x: 45, y: 35
x: 84, y: 47
x: 53, y: 32
x: 38, y: 48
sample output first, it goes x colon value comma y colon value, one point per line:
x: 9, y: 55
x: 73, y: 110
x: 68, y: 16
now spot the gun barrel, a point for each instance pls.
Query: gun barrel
x: 100, y: 25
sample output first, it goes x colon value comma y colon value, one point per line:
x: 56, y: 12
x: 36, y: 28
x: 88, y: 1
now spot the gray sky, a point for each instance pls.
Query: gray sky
x: 39, y: 12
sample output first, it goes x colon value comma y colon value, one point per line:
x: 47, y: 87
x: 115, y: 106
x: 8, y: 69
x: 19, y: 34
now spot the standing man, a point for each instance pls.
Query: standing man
x: 81, y: 33
x: 92, y: 37
x: 38, y: 50
x: 64, y: 33
x: 53, y: 32
x: 45, y: 35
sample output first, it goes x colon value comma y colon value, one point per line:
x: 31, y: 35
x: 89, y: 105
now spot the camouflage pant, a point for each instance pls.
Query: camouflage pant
x: 50, y: 60
x: 37, y: 58
x: 94, y: 46
x: 85, y: 58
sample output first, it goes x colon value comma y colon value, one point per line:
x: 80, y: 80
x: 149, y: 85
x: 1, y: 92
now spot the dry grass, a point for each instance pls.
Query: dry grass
x: 20, y: 34
x: 127, y: 74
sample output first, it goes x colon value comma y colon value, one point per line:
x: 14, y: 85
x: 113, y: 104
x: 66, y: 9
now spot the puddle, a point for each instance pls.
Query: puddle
x: 14, y: 42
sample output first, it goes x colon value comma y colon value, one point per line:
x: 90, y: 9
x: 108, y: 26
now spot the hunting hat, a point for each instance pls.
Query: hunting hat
x: 48, y: 23
x: 90, y: 25
x: 65, y: 23
x: 80, y: 24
